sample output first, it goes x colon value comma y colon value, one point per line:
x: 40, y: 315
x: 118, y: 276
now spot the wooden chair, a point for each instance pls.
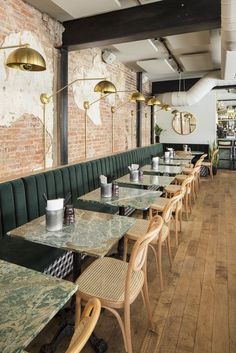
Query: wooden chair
x: 209, y: 164
x: 85, y: 326
x: 118, y: 283
x: 172, y: 189
x: 142, y: 226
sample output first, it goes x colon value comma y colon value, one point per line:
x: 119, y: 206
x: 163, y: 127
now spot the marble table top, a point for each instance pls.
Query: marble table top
x: 162, y: 169
x: 148, y: 180
x: 93, y: 233
x: 185, y: 158
x: 173, y: 162
x: 28, y: 301
x: 128, y: 197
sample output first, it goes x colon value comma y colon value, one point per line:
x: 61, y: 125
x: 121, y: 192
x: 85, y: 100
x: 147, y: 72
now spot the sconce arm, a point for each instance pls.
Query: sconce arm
x: 45, y: 98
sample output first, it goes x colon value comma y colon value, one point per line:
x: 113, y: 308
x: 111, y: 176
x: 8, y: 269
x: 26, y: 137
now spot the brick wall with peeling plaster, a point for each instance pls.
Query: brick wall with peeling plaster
x: 21, y: 129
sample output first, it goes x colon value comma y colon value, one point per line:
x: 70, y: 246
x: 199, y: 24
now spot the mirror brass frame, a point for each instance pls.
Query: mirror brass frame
x: 186, y: 124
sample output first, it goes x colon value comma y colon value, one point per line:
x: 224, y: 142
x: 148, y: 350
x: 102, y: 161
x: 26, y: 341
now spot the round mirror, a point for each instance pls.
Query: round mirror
x: 183, y: 123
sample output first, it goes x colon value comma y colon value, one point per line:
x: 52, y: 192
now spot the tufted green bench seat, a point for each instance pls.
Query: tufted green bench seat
x: 21, y: 201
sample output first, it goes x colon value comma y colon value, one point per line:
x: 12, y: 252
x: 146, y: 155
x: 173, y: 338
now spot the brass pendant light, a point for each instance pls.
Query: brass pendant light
x: 153, y: 101
x: 26, y: 59
x: 105, y: 87
x: 137, y: 97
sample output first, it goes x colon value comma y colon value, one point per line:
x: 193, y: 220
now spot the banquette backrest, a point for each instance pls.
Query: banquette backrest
x: 21, y: 199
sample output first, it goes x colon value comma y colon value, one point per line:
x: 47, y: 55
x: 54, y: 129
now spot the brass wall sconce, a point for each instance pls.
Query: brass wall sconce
x: 105, y: 87
x: 25, y: 58
x: 135, y: 97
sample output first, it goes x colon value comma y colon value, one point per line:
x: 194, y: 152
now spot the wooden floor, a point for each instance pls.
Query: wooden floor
x: 196, y: 312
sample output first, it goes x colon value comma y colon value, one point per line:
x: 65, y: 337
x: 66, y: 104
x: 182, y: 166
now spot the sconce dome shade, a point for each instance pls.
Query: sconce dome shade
x: 153, y: 101
x: 105, y: 87
x: 26, y: 59
x: 175, y: 111
x: 137, y: 97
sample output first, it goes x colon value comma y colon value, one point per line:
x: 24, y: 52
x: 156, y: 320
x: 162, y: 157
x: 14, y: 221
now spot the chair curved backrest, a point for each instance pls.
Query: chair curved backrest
x: 86, y: 326
x: 139, y: 252
x: 170, y: 206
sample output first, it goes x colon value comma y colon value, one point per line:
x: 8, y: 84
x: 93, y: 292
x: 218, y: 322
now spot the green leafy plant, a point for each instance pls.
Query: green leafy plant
x: 158, y: 130
x: 212, y: 148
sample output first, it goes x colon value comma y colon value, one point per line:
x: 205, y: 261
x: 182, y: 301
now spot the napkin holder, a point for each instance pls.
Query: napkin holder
x: 155, y: 163
x: 134, y: 175
x: 54, y: 215
x: 106, y: 190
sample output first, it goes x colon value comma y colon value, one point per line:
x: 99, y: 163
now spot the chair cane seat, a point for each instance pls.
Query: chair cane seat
x: 105, y: 279
x: 172, y: 189
x: 206, y: 164
x: 140, y: 228
x: 181, y: 177
x: 187, y: 170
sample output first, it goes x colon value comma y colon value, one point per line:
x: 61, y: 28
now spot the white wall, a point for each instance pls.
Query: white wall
x: 205, y: 113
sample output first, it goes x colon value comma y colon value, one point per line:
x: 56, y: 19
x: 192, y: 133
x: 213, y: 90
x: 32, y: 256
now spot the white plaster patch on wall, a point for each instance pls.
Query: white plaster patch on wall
x: 84, y: 90
x: 20, y: 90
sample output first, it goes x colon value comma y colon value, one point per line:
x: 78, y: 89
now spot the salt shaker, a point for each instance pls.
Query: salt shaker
x: 115, y: 189
x: 69, y: 215
x: 140, y: 175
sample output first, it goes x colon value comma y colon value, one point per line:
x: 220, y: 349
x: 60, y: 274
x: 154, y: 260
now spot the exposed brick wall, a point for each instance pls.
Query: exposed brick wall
x: 21, y: 139
x: 99, y: 141
x: 21, y: 129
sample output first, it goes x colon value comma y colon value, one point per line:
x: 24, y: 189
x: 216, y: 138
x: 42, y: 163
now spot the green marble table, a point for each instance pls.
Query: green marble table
x: 147, y: 181
x: 28, y: 301
x: 184, y: 158
x: 93, y: 233
x: 135, y: 198
x: 173, y: 162
x: 163, y: 169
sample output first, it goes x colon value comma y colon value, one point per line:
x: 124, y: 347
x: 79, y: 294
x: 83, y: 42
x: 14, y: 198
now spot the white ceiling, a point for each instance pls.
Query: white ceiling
x: 196, y: 53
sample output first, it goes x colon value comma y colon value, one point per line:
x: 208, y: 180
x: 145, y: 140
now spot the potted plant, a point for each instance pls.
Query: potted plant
x: 158, y: 130
x: 214, y: 159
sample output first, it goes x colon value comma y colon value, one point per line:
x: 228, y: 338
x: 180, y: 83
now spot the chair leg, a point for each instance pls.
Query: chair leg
x: 116, y: 314
x: 127, y: 328
x: 77, y: 310
x: 186, y: 205
x: 176, y: 229
x: 126, y: 240
x: 159, y: 263
x: 169, y: 251
x: 180, y: 218
x: 146, y: 299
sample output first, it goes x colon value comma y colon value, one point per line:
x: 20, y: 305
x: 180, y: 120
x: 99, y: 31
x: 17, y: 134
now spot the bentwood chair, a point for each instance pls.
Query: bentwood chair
x: 209, y: 165
x: 187, y: 184
x: 118, y: 283
x: 142, y: 226
x: 84, y: 326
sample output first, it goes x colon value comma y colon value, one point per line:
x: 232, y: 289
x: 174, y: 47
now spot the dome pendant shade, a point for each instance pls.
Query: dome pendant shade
x: 153, y: 101
x: 137, y: 97
x: 26, y: 59
x: 166, y: 107
x: 105, y: 87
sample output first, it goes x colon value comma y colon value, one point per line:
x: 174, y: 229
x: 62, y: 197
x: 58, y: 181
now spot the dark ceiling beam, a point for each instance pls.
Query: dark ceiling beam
x: 153, y: 20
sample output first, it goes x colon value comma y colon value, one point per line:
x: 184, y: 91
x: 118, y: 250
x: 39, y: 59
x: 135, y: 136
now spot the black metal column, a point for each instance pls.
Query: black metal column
x: 63, y: 107
x: 152, y: 125
x: 139, y: 111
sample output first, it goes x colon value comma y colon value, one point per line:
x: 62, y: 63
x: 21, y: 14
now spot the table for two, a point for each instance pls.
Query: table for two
x: 28, y: 301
